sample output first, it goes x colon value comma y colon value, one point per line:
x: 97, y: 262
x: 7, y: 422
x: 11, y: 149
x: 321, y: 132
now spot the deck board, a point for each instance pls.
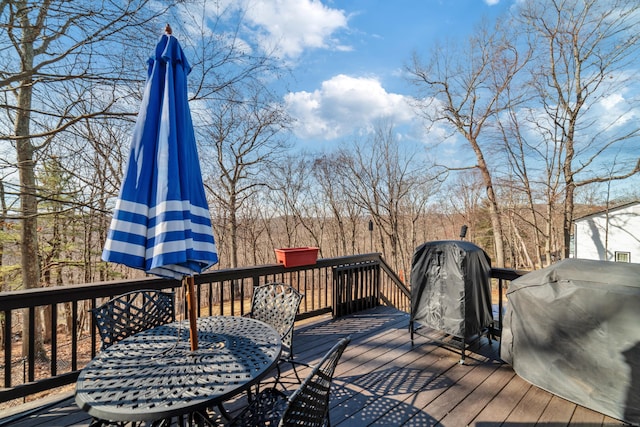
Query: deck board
x: 586, y: 417
x: 411, y: 407
x: 498, y: 409
x: 385, y: 380
x: 466, y: 411
x: 559, y: 410
x: 530, y: 407
x: 457, y: 393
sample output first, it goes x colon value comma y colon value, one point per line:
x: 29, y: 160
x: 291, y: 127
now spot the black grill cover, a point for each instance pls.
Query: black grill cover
x: 573, y: 329
x: 451, y: 287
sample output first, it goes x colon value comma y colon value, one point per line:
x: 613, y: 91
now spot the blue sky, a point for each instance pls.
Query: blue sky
x: 347, y: 59
x: 347, y: 56
x: 358, y: 78
x: 381, y: 35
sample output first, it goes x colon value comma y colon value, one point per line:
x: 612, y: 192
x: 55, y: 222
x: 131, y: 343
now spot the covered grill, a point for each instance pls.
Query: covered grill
x: 451, y: 289
x: 573, y: 329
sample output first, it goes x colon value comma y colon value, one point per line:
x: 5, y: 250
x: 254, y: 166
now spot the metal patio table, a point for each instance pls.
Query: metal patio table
x: 154, y: 375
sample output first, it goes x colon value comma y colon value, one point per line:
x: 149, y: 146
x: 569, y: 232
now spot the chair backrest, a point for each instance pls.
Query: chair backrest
x: 133, y: 312
x: 277, y: 304
x: 309, y: 405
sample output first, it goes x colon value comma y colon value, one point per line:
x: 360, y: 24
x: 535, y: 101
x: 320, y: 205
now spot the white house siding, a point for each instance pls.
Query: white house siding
x: 594, y: 240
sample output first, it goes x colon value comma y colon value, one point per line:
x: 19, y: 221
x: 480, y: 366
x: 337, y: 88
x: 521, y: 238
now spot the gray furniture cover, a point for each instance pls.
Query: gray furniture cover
x: 573, y: 329
x: 451, y: 287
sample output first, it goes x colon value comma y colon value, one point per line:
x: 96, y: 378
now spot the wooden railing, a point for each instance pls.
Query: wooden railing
x: 64, y: 349
x: 333, y: 285
x: 503, y: 276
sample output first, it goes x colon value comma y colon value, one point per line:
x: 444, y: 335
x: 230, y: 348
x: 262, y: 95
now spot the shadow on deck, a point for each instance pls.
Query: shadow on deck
x: 382, y: 380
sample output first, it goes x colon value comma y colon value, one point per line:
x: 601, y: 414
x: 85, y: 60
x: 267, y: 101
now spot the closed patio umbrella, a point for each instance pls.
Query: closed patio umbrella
x: 161, y: 222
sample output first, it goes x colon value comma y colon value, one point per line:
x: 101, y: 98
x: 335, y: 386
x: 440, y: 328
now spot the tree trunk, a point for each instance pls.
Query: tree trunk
x: 29, y: 207
x: 567, y: 218
x: 233, y: 229
x: 494, y: 210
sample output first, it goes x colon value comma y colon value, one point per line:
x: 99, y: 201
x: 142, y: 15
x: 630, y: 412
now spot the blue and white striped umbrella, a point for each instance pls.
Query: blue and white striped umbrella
x: 161, y: 221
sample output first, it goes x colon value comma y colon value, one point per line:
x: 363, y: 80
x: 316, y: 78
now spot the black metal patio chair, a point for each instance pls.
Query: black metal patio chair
x: 133, y: 312
x: 277, y: 305
x: 128, y: 314
x: 308, y: 406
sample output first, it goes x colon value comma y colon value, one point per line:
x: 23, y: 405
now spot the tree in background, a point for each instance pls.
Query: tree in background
x: 463, y: 88
x: 581, y: 113
x: 346, y: 217
x: 244, y: 142
x: 462, y: 199
x: 391, y: 182
x: 71, y: 94
x: 48, y: 47
x: 546, y: 110
x: 294, y: 189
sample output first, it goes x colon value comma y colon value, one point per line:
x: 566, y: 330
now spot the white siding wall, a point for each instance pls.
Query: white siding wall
x: 592, y: 241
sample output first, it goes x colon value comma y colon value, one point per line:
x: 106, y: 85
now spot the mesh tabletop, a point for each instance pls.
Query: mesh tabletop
x: 154, y: 374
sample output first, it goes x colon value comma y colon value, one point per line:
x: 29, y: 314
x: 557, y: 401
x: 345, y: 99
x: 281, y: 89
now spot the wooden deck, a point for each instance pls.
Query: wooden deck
x: 382, y: 380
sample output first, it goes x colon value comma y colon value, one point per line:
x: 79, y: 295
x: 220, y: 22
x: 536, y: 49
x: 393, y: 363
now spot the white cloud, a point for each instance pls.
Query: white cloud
x: 614, y: 112
x: 612, y: 101
x: 344, y: 105
x: 291, y: 26
x: 492, y: 2
x: 282, y: 27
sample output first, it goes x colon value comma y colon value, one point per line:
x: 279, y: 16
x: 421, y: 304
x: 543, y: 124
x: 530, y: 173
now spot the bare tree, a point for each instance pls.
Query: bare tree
x: 384, y: 177
x: 536, y: 172
x: 586, y: 53
x: 252, y: 233
x: 245, y: 139
x: 46, y: 45
x: 299, y: 193
x: 462, y: 198
x: 239, y: 122
x: 94, y: 155
x: 345, y: 215
x: 463, y: 87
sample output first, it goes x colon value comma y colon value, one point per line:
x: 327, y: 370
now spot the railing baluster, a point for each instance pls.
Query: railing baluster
x: 31, y: 358
x: 74, y: 336
x: 93, y: 328
x: 221, y: 298
x: 8, y: 348
x: 500, y: 304
x: 54, y: 340
x: 210, y: 288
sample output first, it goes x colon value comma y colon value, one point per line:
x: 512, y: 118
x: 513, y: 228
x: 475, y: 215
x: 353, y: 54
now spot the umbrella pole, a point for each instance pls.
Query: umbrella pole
x: 191, y: 306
